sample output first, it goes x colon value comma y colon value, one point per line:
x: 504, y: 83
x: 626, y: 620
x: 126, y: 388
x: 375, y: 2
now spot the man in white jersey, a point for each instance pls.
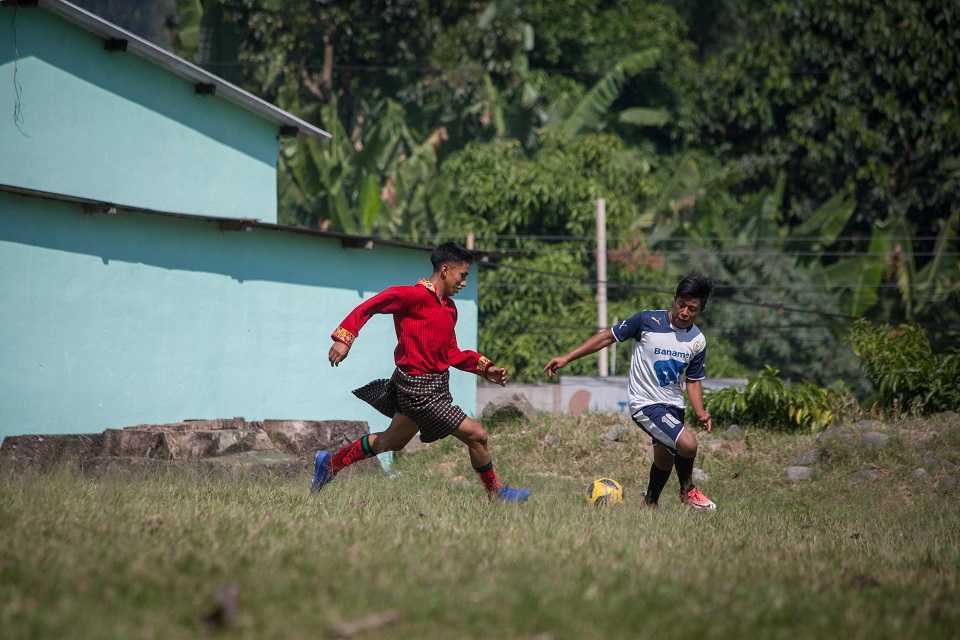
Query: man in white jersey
x: 668, y: 347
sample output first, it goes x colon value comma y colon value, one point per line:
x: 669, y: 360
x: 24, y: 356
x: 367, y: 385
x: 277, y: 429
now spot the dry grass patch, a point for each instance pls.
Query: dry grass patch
x: 154, y: 555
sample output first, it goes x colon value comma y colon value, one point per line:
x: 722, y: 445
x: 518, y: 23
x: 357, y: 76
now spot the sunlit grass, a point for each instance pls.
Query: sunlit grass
x: 142, y: 555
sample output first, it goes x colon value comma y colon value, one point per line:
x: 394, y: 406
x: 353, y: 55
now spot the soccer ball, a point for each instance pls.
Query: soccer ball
x: 604, y: 491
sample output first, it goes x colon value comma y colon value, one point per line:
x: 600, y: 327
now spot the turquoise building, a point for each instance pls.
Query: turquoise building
x: 143, y: 276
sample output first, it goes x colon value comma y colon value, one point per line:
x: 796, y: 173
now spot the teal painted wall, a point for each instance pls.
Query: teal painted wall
x: 117, y: 320
x: 117, y: 128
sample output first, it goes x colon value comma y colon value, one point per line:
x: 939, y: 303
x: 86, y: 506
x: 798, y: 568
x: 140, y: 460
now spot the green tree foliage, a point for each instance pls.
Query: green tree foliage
x: 907, y: 375
x: 597, y: 43
x: 477, y: 83
x: 535, y: 305
x: 505, y: 197
x: 309, y: 51
x: 500, y: 190
x: 511, y: 68
x: 770, y: 300
x: 715, y: 26
x: 851, y: 96
x: 508, y: 119
x: 594, y: 109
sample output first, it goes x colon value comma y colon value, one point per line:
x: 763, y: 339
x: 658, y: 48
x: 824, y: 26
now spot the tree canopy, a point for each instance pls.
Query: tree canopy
x: 806, y: 155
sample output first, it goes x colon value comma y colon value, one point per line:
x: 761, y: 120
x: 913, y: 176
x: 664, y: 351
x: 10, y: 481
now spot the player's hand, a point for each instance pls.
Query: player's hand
x: 705, y: 420
x: 496, y: 374
x: 553, y: 365
x: 338, y: 352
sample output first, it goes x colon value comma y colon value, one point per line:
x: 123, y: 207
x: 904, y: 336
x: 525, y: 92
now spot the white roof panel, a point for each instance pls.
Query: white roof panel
x: 146, y: 49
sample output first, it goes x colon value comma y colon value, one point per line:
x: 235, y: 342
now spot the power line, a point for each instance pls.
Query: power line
x: 754, y: 333
x: 780, y: 308
x: 424, y: 70
x: 497, y: 326
x: 685, y: 240
x: 810, y: 287
x: 735, y: 253
x: 640, y: 287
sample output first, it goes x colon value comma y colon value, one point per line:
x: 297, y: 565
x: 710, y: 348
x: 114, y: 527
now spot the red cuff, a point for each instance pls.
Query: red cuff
x: 344, y: 336
x: 483, y: 364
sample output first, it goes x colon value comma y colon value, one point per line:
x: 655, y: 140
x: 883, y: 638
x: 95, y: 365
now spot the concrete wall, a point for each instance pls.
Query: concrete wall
x: 574, y: 394
x: 543, y: 397
x: 117, y: 320
x: 114, y: 127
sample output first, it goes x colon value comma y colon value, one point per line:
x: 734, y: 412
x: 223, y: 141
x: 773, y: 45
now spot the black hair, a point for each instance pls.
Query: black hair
x: 450, y: 253
x: 695, y: 286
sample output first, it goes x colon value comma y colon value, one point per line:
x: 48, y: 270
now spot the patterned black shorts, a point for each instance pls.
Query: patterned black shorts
x: 425, y: 399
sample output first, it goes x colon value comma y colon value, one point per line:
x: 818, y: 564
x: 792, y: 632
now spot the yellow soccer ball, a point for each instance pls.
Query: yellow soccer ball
x: 603, y: 491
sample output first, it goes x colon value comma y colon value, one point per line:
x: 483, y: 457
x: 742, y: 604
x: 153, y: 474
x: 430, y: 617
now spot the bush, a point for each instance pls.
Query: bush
x: 770, y: 403
x: 903, y: 369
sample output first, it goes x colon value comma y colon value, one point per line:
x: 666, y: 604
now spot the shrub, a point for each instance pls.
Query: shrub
x: 907, y: 375
x: 769, y: 402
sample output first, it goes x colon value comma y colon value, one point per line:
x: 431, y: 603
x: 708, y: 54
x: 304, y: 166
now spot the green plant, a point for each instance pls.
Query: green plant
x: 907, y: 375
x: 769, y: 402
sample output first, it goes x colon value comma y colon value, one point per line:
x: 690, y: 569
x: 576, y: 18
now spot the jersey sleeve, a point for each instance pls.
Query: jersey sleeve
x: 697, y: 369
x: 387, y: 301
x: 632, y: 327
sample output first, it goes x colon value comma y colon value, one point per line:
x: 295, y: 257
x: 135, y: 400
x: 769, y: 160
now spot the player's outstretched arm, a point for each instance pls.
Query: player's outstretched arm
x: 338, y: 352
x: 590, y: 345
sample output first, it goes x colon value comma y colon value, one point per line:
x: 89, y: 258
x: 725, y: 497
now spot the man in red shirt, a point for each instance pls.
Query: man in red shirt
x: 417, y: 396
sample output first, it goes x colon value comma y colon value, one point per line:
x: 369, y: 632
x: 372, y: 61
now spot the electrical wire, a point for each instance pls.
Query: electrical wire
x: 686, y: 240
x: 719, y: 287
x: 813, y: 288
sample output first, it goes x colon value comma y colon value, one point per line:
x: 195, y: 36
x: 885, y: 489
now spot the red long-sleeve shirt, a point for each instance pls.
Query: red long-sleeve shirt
x: 426, y: 341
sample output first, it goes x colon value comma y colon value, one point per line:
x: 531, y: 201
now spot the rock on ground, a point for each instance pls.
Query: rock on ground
x: 271, y: 443
x: 515, y: 405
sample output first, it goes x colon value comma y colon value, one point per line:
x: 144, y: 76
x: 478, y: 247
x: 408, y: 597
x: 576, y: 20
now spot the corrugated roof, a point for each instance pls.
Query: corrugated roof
x: 149, y: 51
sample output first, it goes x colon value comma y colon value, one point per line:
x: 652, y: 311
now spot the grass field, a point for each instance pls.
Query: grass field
x: 144, y: 555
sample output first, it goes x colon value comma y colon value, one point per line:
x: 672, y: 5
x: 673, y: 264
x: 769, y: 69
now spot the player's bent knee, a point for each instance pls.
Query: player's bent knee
x: 472, y: 433
x: 687, y: 445
x: 479, y: 437
x: 687, y: 452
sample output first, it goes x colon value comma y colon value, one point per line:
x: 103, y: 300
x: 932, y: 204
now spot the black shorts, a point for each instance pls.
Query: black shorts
x: 425, y: 399
x: 662, y: 422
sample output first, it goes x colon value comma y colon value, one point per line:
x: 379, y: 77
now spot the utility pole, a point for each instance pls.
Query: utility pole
x: 602, y: 278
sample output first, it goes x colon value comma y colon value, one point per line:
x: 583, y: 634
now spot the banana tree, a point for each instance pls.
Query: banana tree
x: 187, y: 34
x: 593, y: 110
x: 687, y: 209
x: 923, y: 292
x: 377, y: 179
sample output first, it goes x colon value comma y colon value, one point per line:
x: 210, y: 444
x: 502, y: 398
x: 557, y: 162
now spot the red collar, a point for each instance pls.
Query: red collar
x: 429, y: 286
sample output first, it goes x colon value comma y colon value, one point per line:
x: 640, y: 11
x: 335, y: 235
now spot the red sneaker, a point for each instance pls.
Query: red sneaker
x: 697, y: 501
x: 649, y: 505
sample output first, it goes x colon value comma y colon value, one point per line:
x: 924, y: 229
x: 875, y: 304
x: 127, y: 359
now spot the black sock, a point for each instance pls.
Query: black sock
x: 684, y: 468
x: 658, y: 478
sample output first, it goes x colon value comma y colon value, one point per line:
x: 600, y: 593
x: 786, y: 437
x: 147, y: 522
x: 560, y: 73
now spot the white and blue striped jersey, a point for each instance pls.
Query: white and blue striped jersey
x: 662, y: 356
